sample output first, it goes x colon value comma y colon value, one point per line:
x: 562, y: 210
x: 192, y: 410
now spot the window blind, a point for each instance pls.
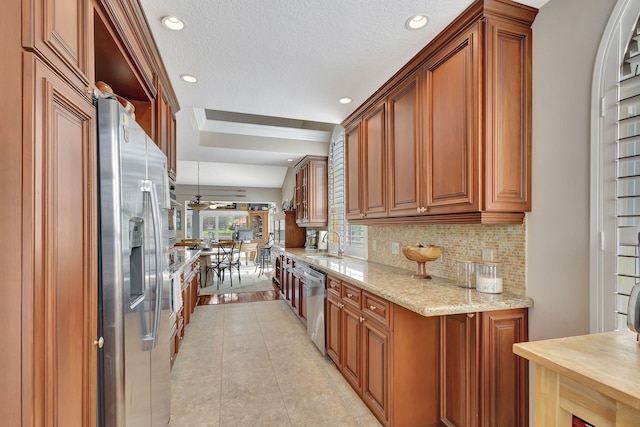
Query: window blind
x: 354, y: 237
x: 628, y: 178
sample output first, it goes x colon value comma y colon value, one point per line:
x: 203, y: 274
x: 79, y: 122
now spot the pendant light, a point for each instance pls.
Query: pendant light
x: 196, y: 204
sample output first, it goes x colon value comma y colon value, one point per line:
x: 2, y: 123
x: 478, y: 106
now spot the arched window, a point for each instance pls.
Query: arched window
x: 615, y: 165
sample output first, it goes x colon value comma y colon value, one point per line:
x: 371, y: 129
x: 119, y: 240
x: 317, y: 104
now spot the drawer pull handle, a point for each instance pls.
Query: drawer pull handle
x: 372, y: 307
x: 361, y: 319
x: 349, y: 295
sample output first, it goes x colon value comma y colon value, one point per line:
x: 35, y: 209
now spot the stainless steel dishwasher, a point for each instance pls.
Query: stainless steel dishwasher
x: 313, y: 299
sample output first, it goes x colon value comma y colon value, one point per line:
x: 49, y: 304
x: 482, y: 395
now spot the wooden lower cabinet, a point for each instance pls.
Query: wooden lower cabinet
x: 412, y: 370
x: 334, y: 329
x: 375, y: 369
x: 504, y: 377
x: 352, y: 347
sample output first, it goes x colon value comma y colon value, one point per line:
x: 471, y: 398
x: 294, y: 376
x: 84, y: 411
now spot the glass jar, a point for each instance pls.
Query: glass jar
x: 489, y: 277
x: 466, y: 274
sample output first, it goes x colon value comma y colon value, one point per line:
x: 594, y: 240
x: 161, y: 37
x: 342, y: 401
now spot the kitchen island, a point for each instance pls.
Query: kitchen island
x: 594, y: 377
x: 418, y: 352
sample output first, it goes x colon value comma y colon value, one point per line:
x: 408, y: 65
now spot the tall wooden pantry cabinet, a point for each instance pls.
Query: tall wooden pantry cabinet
x: 53, y: 53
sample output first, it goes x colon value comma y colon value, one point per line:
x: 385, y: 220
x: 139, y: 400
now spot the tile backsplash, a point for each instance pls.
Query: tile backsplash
x: 459, y: 241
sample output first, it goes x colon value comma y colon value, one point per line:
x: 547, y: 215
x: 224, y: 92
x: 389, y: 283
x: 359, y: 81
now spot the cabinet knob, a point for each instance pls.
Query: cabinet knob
x: 99, y: 342
x: 349, y: 295
x: 372, y: 307
x: 361, y: 319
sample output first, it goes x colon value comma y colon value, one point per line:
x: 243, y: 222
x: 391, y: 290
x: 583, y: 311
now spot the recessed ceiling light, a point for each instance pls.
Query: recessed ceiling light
x: 289, y: 160
x: 173, y: 23
x: 416, y: 22
x: 188, y: 78
x: 345, y: 100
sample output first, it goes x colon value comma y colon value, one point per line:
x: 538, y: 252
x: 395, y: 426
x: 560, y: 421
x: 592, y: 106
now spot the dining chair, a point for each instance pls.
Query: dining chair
x: 231, y: 262
x: 218, y: 261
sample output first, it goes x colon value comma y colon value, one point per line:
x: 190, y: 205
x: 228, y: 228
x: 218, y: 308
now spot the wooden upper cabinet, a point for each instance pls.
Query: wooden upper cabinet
x: 312, y: 192
x: 60, y: 33
x: 459, y: 127
x: 405, y: 161
x: 352, y: 178
x: 508, y: 117
x: 165, y: 131
x: 365, y: 164
x: 451, y: 121
x: 374, y: 162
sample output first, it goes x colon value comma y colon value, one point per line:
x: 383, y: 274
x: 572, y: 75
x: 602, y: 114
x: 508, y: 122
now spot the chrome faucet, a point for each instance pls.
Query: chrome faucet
x: 340, y: 250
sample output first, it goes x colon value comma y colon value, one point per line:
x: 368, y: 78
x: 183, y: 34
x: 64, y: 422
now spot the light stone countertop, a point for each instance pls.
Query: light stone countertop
x: 185, y: 256
x: 434, y: 297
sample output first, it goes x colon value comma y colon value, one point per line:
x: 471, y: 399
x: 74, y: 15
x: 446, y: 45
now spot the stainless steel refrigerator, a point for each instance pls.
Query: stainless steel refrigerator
x: 134, y: 388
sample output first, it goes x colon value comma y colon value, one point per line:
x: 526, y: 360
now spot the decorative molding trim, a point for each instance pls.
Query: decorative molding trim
x: 264, y: 131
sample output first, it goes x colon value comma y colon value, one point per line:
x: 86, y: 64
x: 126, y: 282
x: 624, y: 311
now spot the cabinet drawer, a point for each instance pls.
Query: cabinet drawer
x: 351, y: 295
x: 333, y: 286
x: 377, y: 309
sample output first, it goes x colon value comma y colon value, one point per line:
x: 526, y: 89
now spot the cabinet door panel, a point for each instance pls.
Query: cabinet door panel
x: 317, y: 192
x: 459, y: 371
x: 504, y: 378
x: 352, y: 348
x: 452, y: 123
x: 60, y: 30
x: 334, y: 327
x: 352, y: 172
x: 404, y: 149
x: 60, y: 196
x: 374, y: 183
x: 375, y: 378
x: 508, y: 153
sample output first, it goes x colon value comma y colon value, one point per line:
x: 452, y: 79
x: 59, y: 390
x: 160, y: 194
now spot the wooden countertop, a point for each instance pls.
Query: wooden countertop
x: 434, y: 297
x: 608, y: 362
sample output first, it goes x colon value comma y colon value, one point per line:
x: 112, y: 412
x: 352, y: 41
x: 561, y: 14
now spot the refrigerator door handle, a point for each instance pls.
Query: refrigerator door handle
x: 151, y: 340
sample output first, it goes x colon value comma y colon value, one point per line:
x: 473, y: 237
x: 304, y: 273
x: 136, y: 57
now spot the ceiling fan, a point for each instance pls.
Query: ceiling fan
x: 197, y: 204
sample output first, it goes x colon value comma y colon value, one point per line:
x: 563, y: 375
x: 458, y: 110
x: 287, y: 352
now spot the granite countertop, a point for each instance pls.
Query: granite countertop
x: 435, y: 297
x: 185, y: 256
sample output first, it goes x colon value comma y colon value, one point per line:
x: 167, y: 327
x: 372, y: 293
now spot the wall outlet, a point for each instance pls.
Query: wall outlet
x: 395, y: 248
x: 487, y: 255
x: 374, y: 245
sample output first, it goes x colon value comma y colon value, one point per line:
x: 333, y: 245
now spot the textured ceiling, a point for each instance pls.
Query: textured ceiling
x: 288, y: 59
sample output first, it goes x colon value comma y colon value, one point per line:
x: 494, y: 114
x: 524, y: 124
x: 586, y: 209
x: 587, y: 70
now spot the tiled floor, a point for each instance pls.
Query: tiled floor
x: 252, y: 364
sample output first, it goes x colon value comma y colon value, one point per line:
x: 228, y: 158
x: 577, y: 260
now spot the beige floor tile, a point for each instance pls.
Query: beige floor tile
x: 237, y: 384
x: 252, y: 364
x: 368, y: 420
x: 243, y: 342
x: 316, y: 406
x: 245, y: 360
x: 301, y: 374
x: 196, y: 415
x: 255, y: 410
